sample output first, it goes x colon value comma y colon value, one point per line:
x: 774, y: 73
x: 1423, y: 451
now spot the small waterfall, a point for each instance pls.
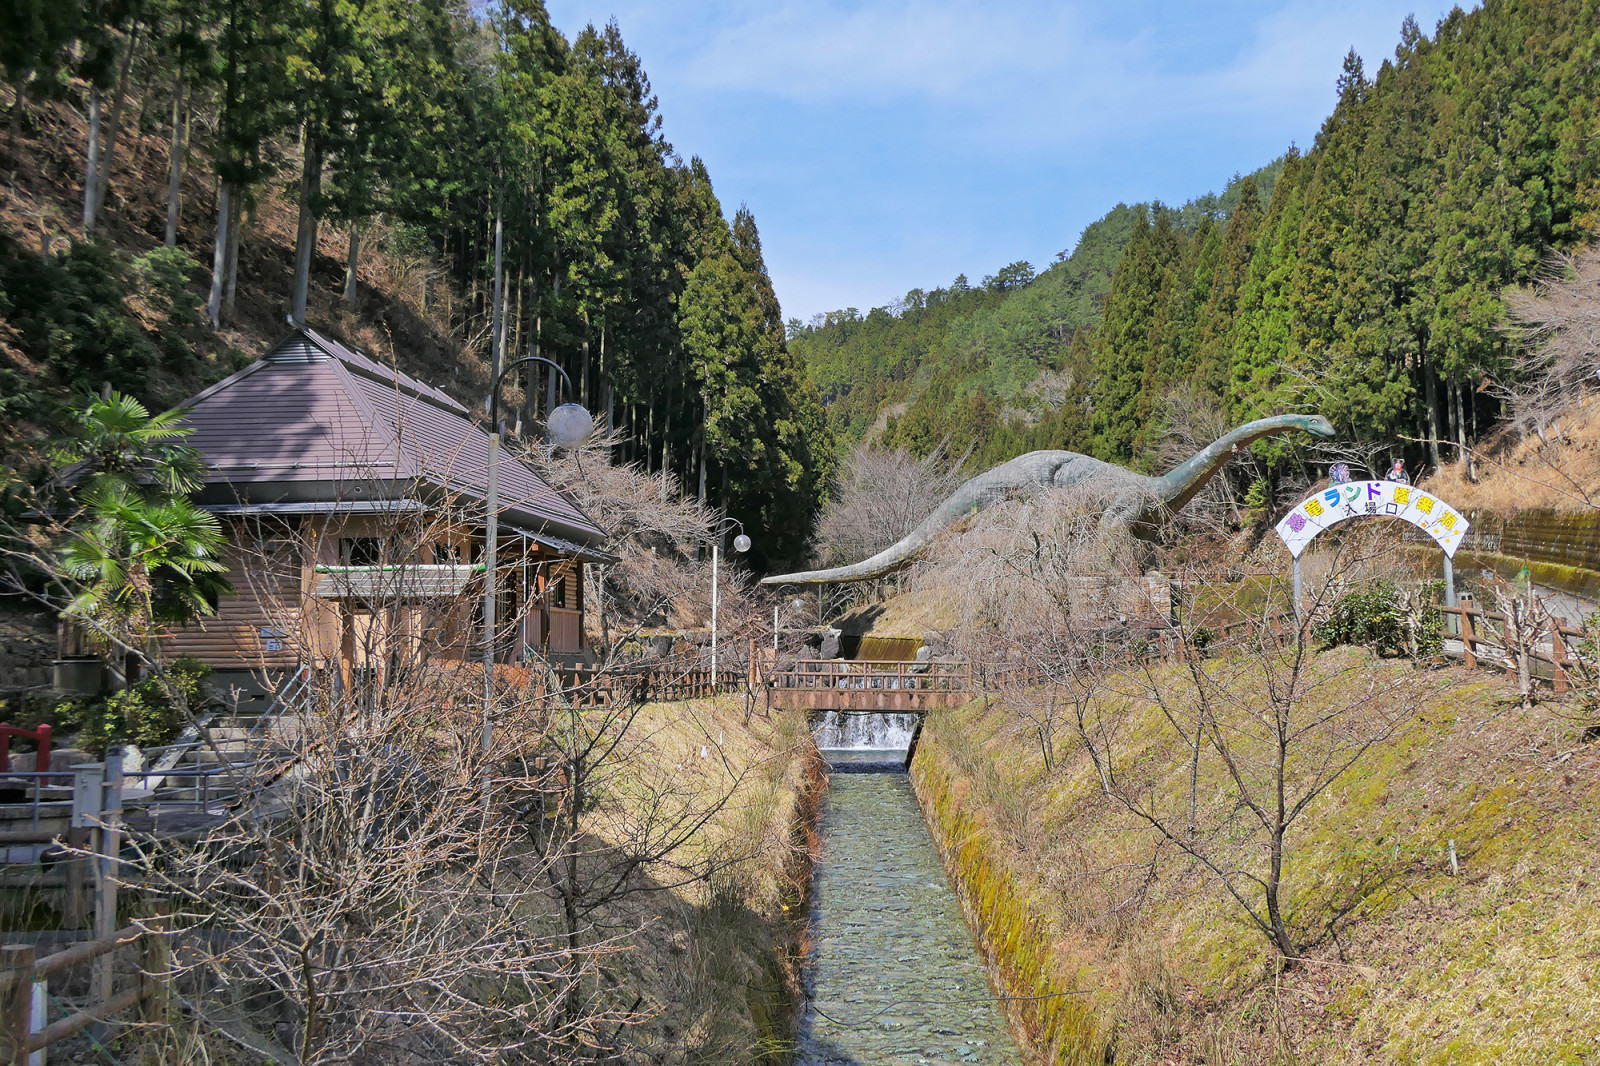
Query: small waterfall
x: 892, y: 649
x: 865, y: 732
x: 864, y: 743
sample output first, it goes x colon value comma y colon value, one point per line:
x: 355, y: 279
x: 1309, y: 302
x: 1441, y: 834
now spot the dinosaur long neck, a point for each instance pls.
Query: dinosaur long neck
x: 1179, y: 485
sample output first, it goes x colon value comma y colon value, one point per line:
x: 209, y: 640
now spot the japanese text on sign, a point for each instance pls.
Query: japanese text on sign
x: 1386, y: 499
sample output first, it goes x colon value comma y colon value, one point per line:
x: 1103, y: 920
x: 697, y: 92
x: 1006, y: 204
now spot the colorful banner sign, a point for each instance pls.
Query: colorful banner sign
x: 1377, y: 499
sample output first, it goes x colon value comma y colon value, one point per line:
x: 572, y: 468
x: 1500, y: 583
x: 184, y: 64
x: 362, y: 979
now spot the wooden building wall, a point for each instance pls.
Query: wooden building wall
x: 274, y: 619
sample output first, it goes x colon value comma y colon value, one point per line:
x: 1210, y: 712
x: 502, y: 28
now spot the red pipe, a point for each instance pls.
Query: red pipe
x: 41, y: 735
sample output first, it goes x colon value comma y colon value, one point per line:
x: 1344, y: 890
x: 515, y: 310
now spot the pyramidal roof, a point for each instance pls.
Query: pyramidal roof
x: 314, y: 419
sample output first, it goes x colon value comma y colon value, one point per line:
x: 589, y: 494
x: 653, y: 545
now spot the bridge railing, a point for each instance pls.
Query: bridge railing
x: 867, y: 674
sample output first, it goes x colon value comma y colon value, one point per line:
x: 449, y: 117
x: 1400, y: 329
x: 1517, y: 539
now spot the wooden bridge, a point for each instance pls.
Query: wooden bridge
x: 892, y: 686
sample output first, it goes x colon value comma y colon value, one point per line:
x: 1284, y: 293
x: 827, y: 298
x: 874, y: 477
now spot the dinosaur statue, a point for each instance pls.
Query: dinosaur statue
x: 1136, y: 503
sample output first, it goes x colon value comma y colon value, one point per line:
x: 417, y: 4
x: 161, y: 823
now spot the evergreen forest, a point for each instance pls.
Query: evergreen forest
x: 185, y: 174
x: 1360, y: 277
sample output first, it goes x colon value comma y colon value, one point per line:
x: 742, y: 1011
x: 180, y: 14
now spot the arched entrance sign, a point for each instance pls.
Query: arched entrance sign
x: 1374, y: 499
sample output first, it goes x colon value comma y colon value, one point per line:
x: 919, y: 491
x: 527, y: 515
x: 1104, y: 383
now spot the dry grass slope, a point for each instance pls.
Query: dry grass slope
x: 1561, y: 473
x: 1500, y: 964
x: 717, y: 965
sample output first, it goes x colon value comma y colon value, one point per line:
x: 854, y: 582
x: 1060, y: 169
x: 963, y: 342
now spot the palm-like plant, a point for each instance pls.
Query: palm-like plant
x: 138, y: 555
x: 142, y: 562
x: 116, y: 439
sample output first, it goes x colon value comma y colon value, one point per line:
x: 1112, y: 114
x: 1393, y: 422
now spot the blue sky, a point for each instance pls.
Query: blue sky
x: 886, y: 145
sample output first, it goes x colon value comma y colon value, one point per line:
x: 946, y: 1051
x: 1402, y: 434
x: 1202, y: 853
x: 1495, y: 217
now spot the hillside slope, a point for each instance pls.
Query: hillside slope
x: 1140, y: 953
x: 52, y: 281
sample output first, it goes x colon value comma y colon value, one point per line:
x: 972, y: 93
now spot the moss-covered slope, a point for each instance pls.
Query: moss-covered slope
x: 1123, y: 946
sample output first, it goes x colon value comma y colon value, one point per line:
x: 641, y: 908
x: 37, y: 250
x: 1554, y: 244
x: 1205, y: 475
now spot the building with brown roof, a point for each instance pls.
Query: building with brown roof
x: 353, y: 496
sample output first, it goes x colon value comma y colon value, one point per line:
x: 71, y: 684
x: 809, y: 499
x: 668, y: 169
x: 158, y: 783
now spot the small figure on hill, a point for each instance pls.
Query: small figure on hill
x: 1397, y: 472
x: 1339, y: 473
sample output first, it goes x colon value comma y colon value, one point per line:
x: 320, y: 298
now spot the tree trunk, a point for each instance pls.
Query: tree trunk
x: 175, y: 169
x: 1432, y: 403
x: 352, y: 262
x: 497, y: 317
x: 305, y: 244
x: 583, y: 369
x: 219, y: 256
x: 1452, y: 411
x: 515, y: 327
x: 702, y: 491
x: 666, y: 431
x: 230, y: 288
x: 102, y: 179
x: 606, y: 394
x: 91, y: 172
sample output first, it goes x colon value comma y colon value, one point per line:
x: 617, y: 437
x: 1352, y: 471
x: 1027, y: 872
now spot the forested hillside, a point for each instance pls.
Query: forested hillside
x: 184, y: 174
x: 1363, y: 283
x: 964, y: 354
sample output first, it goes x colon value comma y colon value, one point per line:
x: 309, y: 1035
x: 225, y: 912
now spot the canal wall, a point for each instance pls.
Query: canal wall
x: 1054, y: 1018
x: 1440, y: 894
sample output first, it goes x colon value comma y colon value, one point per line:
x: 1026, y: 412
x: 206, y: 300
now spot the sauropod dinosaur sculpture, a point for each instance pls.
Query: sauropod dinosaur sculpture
x: 1135, y: 502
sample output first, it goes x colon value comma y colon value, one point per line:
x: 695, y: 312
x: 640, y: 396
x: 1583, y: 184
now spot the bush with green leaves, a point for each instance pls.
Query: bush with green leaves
x: 162, y: 275
x: 70, y: 313
x: 143, y: 713
x: 1369, y: 616
x: 1379, y: 615
x: 1258, y: 501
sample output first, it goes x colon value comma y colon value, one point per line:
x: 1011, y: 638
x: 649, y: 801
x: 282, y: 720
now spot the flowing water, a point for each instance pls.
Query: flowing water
x: 894, y: 979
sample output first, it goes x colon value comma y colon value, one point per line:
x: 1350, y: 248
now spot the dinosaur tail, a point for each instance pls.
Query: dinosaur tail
x: 895, y: 557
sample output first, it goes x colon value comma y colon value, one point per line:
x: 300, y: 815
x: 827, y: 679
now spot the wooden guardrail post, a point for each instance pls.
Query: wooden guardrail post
x: 16, y: 1008
x: 109, y: 836
x: 1558, y: 654
x: 155, y: 964
x: 1467, y: 635
x: 72, y: 909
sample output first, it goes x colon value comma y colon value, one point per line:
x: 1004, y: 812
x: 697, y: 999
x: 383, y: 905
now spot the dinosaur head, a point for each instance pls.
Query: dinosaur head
x: 1317, y: 426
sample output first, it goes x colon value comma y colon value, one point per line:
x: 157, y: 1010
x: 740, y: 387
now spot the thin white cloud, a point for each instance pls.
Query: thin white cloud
x: 857, y: 129
x: 1042, y: 74
x: 816, y: 53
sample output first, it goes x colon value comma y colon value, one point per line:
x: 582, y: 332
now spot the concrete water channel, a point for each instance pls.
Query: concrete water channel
x: 895, y: 979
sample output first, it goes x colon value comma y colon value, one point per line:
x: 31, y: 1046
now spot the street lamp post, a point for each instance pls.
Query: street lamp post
x: 798, y: 603
x: 568, y: 426
x: 741, y: 543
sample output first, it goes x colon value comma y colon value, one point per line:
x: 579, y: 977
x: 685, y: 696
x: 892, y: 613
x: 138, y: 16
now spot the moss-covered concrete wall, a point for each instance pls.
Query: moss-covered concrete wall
x: 1053, y: 1018
x: 1116, y: 944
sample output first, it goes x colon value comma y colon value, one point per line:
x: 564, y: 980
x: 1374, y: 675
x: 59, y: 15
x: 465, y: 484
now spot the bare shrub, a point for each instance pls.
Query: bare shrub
x: 1557, y: 321
x: 881, y: 495
x: 1191, y: 420
x: 664, y: 539
x: 1021, y: 572
x: 367, y: 902
x: 1266, y: 725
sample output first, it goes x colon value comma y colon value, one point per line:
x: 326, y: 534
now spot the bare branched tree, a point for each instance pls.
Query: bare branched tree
x: 663, y: 538
x: 1268, y: 726
x: 1557, y: 322
x: 1191, y: 420
x: 880, y: 496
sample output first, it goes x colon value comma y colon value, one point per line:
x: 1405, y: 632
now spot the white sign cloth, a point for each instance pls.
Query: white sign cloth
x: 1376, y: 499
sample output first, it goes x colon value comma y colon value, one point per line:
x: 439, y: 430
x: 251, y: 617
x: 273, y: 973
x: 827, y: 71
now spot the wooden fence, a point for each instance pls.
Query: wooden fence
x: 1487, y: 641
x: 24, y: 987
x: 661, y: 681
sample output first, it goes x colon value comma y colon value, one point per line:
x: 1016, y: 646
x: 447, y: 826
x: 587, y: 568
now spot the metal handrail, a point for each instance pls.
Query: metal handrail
x: 38, y: 778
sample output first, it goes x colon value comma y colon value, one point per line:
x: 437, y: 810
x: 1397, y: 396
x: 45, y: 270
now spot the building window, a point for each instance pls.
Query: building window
x: 362, y: 551
x: 447, y: 554
x: 558, y: 592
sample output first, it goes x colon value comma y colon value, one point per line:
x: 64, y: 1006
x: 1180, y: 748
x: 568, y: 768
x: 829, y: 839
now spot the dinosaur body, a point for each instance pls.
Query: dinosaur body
x: 1137, y: 503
